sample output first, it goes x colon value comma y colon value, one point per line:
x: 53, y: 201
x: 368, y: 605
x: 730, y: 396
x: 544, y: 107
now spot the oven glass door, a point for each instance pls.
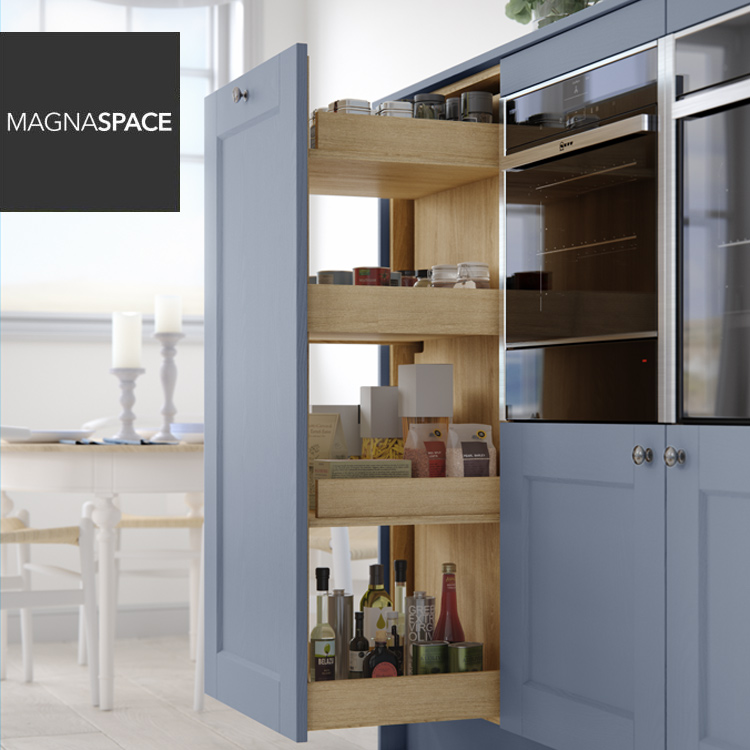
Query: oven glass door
x: 581, y: 246
x: 715, y: 264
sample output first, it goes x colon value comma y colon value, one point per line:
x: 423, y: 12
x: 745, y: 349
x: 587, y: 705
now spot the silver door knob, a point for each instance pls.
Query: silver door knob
x: 641, y: 454
x: 237, y: 94
x: 673, y: 456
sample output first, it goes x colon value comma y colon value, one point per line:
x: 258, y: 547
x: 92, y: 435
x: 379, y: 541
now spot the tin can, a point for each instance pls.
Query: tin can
x: 372, y: 276
x: 335, y: 277
x: 341, y: 619
x: 420, y: 623
x: 465, y: 657
x: 429, y: 657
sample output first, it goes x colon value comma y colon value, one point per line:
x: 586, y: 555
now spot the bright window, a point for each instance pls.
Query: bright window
x: 99, y: 262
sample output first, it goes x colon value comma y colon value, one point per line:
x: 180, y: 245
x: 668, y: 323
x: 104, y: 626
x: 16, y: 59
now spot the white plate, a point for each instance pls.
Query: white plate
x: 44, y: 436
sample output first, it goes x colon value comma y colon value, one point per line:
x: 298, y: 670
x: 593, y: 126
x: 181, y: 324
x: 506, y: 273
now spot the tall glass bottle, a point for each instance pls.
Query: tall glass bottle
x: 359, y: 647
x: 322, y: 638
x: 448, y: 626
x: 376, y: 604
x: 399, y: 596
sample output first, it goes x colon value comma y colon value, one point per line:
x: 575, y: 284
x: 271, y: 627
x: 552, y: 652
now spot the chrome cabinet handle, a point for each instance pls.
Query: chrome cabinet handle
x: 641, y: 454
x: 238, y: 95
x: 673, y: 456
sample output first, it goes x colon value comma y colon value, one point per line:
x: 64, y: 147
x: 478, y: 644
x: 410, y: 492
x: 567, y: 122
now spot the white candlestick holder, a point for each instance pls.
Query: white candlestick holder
x: 127, y: 376
x: 168, y: 380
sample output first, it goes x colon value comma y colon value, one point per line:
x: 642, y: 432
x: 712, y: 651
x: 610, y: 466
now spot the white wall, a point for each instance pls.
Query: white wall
x: 357, y: 49
x: 369, y: 50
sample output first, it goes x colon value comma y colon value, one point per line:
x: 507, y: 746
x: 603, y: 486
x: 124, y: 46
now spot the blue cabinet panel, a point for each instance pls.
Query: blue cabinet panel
x: 605, y: 35
x: 256, y: 394
x: 708, y: 604
x: 582, y: 586
x: 684, y: 13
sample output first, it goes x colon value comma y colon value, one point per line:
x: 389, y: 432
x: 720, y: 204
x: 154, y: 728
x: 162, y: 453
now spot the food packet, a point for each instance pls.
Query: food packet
x: 470, y: 451
x: 425, y: 448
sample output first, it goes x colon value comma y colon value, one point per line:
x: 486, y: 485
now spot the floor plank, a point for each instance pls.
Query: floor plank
x: 153, y: 707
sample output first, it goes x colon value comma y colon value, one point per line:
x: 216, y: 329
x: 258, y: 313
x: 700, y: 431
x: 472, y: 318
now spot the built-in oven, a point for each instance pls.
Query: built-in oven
x: 712, y: 116
x: 580, y: 194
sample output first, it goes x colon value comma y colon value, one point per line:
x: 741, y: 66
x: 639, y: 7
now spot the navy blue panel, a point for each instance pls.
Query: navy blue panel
x: 392, y: 738
x: 684, y: 13
x: 582, y: 586
x: 256, y: 395
x: 463, y: 735
x: 608, y: 33
x: 494, y: 56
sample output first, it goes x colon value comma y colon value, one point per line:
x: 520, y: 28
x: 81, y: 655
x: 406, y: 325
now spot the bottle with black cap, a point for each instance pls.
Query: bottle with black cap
x: 322, y: 637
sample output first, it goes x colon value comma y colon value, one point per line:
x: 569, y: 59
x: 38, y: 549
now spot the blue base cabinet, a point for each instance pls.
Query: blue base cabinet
x: 614, y: 575
x: 582, y: 587
x: 708, y: 590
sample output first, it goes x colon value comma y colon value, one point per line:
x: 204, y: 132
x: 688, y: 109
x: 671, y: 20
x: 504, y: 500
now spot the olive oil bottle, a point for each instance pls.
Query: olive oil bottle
x: 376, y: 604
x: 322, y: 638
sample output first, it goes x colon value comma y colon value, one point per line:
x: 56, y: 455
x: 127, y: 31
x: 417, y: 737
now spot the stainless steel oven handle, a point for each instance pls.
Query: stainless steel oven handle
x: 635, y: 125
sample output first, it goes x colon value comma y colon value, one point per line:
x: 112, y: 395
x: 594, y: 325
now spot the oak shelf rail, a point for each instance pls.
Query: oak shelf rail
x: 387, y: 315
x: 403, y: 502
x: 342, y: 704
x: 393, y: 157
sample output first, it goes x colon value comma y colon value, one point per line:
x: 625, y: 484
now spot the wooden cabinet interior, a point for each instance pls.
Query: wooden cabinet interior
x: 443, y: 179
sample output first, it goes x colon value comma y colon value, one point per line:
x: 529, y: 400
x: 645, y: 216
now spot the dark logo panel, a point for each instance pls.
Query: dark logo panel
x: 90, y: 122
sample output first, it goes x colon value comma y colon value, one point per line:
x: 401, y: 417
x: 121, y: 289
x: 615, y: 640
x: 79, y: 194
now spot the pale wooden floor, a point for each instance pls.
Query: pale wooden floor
x: 153, y: 697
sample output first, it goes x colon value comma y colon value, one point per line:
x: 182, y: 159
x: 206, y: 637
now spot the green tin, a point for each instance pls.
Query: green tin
x: 465, y: 657
x: 429, y: 657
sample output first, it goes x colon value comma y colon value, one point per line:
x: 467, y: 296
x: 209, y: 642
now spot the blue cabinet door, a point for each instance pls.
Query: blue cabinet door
x: 708, y: 589
x: 582, y: 586
x: 256, y: 394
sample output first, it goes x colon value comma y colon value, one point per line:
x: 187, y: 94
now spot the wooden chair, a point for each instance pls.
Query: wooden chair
x: 16, y: 591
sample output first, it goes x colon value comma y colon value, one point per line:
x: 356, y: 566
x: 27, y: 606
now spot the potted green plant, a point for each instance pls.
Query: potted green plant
x: 544, y: 11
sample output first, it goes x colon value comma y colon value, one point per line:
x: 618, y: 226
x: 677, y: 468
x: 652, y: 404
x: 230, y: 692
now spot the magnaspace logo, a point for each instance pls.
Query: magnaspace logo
x: 81, y: 122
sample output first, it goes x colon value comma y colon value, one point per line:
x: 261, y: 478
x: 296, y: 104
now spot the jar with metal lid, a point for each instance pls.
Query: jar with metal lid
x: 444, y: 276
x: 408, y: 278
x: 476, y: 106
x: 350, y: 107
x: 423, y: 279
x: 395, y: 109
x: 473, y: 276
x: 453, y: 108
x: 429, y: 106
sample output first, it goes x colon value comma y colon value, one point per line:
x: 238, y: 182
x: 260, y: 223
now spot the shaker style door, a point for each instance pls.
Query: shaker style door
x: 708, y: 594
x: 582, y: 585
x: 256, y: 393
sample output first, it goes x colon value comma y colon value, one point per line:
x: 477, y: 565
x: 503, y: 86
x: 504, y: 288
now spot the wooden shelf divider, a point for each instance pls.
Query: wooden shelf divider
x: 393, y: 157
x: 399, y: 502
x: 388, y: 315
x: 403, y: 700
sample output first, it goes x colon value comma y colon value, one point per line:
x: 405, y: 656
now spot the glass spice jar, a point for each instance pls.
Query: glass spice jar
x: 476, y: 106
x: 429, y: 106
x: 423, y: 279
x: 444, y: 276
x: 473, y: 276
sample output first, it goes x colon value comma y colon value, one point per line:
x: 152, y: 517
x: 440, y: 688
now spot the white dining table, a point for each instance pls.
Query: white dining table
x: 104, y: 472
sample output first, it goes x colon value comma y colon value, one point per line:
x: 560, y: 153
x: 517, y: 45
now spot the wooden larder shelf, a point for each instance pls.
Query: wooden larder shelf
x: 388, y: 315
x: 397, y: 502
x: 403, y: 700
x: 392, y: 157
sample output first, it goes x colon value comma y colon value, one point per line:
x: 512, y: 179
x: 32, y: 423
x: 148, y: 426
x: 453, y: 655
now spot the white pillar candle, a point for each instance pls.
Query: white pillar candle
x: 168, y: 318
x: 127, y: 334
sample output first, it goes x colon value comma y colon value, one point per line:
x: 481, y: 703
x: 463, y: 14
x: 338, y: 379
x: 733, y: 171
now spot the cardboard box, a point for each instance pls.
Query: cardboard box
x: 378, y: 468
x: 425, y: 391
x: 325, y: 439
x: 379, y: 412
